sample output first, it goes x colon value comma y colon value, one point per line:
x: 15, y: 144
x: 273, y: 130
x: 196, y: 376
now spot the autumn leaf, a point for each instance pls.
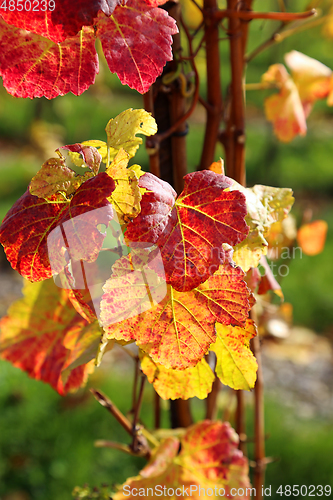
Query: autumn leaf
x: 127, y: 196
x: 174, y: 384
x: 25, y: 230
x: 54, y: 176
x: 190, y: 231
x: 33, y: 66
x: 265, y: 207
x: 122, y: 131
x: 136, y: 42
x: 285, y: 109
x: 44, y: 336
x: 61, y: 19
x: 206, y: 457
x: 90, y: 156
x: 311, y: 237
x: 235, y: 365
x: 176, y: 330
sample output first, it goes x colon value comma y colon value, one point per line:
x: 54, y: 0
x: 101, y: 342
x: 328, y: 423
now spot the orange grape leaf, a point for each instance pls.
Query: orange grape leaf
x: 235, y: 365
x: 33, y: 66
x: 174, y: 384
x: 312, y: 78
x: 177, y: 331
x: 205, y: 457
x: 136, y: 41
x: 191, y: 231
x: 285, y: 109
x: 311, y: 237
x: 44, y: 335
x: 26, y: 227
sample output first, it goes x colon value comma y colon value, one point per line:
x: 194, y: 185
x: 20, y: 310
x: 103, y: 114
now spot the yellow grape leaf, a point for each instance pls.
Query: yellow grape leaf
x: 266, y: 205
x: 127, y: 196
x: 101, y: 147
x: 235, y: 366
x: 311, y: 237
x: 204, y: 463
x: 174, y: 384
x: 53, y: 177
x: 121, y: 131
x: 285, y: 109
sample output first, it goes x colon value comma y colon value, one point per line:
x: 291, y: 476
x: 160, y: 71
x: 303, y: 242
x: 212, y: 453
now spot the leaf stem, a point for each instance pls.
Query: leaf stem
x: 274, y: 16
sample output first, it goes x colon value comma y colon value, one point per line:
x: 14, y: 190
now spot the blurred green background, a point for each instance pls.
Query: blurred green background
x: 46, y: 442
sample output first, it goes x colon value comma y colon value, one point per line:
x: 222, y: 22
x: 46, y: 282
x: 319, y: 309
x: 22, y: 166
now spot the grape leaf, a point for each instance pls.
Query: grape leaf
x: 121, y: 131
x: 312, y: 78
x: 235, y: 366
x: 44, y: 335
x: 90, y: 156
x: 61, y: 19
x: 208, y: 459
x: 55, y: 177
x: 177, y: 331
x: 265, y: 206
x: 285, y: 109
x: 311, y: 237
x: 136, y: 41
x: 127, y: 196
x: 174, y: 384
x: 191, y: 231
x: 33, y: 66
x: 27, y: 225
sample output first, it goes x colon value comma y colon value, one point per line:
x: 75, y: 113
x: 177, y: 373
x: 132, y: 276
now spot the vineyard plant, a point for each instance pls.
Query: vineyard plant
x: 164, y: 264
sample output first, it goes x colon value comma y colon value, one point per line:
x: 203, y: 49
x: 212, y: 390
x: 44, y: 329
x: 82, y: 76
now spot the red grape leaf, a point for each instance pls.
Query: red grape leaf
x: 235, y: 365
x: 190, y: 232
x: 136, y: 42
x: 208, y: 459
x: 60, y: 19
x: 44, y: 335
x: 91, y: 158
x: 178, y: 330
x: 27, y: 225
x: 33, y: 66
x: 174, y: 384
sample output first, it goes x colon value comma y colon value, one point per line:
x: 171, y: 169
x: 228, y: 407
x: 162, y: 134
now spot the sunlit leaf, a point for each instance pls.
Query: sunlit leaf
x: 122, y: 131
x: 206, y: 456
x: 235, y: 366
x: 54, y: 176
x: 26, y: 227
x: 91, y: 158
x: 191, y: 231
x: 311, y: 237
x: 44, y: 335
x: 136, y: 42
x: 33, y: 66
x: 175, y: 384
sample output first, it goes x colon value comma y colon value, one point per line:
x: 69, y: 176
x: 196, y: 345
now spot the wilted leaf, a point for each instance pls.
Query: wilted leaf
x: 235, y: 366
x: 191, y: 231
x: 175, y: 384
x: 266, y: 205
x: 177, y: 331
x: 311, y: 237
x: 91, y: 158
x: 44, y: 335
x: 27, y: 225
x: 136, y: 42
x: 33, y: 66
x: 208, y: 458
x: 60, y: 19
x: 127, y: 196
x: 122, y: 130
